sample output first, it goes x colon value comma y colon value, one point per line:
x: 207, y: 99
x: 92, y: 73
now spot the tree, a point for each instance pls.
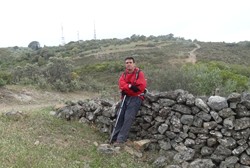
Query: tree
x: 34, y: 45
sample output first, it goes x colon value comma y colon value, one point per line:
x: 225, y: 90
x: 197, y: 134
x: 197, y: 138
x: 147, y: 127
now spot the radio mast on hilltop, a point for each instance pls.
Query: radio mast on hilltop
x: 62, y: 38
x: 78, y: 37
x: 94, y: 32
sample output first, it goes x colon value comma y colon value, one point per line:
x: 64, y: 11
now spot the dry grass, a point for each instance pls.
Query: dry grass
x: 41, y: 140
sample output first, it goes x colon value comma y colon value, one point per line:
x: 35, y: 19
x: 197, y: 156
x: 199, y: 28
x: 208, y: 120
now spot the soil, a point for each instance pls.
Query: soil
x: 20, y: 98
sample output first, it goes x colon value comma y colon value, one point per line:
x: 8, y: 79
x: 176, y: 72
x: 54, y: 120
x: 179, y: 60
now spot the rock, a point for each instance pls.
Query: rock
x: 107, y: 149
x: 142, y: 143
x: 184, y: 154
x: 201, y: 104
x: 160, y: 162
x: 245, y: 159
x: 133, y: 152
x: 202, y: 163
x: 217, y: 103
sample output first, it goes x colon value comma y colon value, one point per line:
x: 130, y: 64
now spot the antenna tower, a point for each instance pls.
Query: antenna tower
x: 94, y: 32
x: 62, y: 38
x: 78, y: 38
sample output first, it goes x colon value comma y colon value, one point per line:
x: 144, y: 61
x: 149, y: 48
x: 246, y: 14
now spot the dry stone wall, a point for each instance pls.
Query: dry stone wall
x: 214, y: 130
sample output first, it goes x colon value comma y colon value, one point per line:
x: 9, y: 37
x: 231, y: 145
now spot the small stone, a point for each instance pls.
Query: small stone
x: 37, y: 143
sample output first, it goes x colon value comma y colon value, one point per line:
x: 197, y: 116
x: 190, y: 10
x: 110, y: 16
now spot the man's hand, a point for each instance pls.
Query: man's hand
x: 123, y: 93
x: 134, y: 88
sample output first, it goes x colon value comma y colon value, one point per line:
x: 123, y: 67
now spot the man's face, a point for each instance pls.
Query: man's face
x: 130, y: 65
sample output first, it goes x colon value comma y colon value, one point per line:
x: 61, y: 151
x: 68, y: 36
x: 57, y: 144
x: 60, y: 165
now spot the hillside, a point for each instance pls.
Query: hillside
x: 169, y: 63
x: 231, y: 53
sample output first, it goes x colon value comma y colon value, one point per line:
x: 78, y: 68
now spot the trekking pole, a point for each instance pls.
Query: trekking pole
x: 117, y: 118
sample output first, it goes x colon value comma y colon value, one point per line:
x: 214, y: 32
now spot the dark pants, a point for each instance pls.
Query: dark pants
x: 128, y: 113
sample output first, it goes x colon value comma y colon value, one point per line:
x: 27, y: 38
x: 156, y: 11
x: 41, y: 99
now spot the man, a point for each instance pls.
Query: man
x: 132, y: 83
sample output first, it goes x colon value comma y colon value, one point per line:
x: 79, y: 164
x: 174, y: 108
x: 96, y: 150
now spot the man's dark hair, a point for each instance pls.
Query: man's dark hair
x: 130, y: 58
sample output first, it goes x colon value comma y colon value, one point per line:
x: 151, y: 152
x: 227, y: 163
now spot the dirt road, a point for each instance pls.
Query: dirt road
x: 19, y: 98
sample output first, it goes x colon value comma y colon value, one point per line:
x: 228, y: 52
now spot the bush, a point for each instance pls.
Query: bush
x: 205, y: 79
x: 164, y: 79
x: 198, y: 79
x: 2, y: 82
x: 229, y: 87
x: 42, y: 83
x: 240, y: 81
x: 58, y: 69
x: 60, y: 86
x: 208, y: 77
x: 5, y: 77
x: 112, y: 67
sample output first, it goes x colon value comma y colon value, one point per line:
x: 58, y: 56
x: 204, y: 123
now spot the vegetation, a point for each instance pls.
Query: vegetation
x: 96, y: 65
x: 37, y: 139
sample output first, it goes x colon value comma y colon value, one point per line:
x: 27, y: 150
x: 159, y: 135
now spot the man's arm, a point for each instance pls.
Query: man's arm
x: 123, y: 85
x: 141, y: 82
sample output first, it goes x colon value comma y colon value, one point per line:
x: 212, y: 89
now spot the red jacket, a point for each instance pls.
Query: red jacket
x: 130, y: 78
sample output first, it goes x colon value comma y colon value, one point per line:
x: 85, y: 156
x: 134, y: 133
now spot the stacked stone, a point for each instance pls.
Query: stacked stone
x: 216, y: 129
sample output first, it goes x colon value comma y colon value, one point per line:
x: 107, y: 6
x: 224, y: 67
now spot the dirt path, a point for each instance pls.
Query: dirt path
x: 192, y: 55
x: 24, y: 98
x: 190, y: 59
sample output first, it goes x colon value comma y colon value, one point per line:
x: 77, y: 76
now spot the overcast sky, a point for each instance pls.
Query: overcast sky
x: 23, y: 21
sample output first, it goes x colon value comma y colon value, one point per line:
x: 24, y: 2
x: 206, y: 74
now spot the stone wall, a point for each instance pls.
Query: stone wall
x: 215, y: 129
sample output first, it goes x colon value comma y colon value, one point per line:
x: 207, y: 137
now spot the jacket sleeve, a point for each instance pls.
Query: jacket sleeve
x: 141, y: 82
x: 123, y: 85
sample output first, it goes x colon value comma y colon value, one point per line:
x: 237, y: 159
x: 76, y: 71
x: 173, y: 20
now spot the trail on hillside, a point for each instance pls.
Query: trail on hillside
x: 190, y: 59
x: 192, y: 55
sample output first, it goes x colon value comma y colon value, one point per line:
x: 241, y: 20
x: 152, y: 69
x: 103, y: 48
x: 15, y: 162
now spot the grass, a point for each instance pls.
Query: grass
x: 41, y: 140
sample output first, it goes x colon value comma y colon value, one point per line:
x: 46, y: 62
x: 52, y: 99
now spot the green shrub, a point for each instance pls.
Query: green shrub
x: 166, y: 78
x: 101, y: 67
x: 27, y: 81
x: 42, y: 83
x: 208, y: 77
x: 240, y: 69
x: 2, y: 82
x: 207, y: 81
x: 217, y: 64
x: 6, y: 77
x: 229, y: 87
x: 241, y: 82
x: 60, y: 86
x: 58, y: 69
